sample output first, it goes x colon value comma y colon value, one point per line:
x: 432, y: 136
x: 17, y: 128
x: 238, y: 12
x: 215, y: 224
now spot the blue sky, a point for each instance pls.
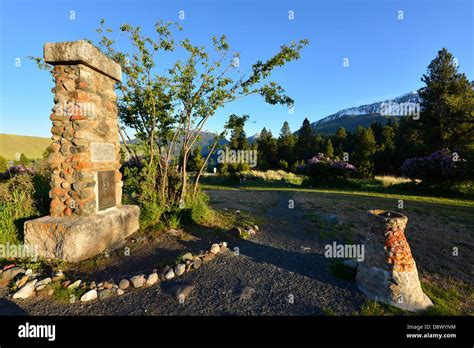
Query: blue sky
x: 387, y: 56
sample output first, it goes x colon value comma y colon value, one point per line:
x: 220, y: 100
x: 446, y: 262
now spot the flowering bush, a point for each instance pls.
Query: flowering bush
x: 17, y: 170
x: 437, y: 167
x: 321, y: 166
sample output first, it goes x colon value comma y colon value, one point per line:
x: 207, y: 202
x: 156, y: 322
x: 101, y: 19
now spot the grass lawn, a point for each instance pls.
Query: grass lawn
x: 269, y: 186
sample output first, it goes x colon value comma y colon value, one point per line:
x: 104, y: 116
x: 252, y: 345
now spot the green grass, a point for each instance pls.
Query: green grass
x: 14, y: 211
x: 372, y: 308
x: 447, y: 301
x: 406, y: 197
x: 65, y: 294
x: 31, y: 147
x: 342, y: 271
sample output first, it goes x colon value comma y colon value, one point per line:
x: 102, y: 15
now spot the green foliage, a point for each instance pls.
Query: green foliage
x: 372, y: 308
x: 447, y: 300
x: 286, y: 147
x: 202, y: 83
x: 364, y: 148
x: 197, y: 208
x: 3, y: 164
x: 238, y: 138
x: 66, y: 295
x: 447, y: 114
x: 173, y: 219
x: 140, y: 187
x: 305, y: 144
x: 22, y: 197
x: 328, y: 148
x: 267, y: 150
x: 24, y: 161
x: 196, y: 161
x: 341, y: 271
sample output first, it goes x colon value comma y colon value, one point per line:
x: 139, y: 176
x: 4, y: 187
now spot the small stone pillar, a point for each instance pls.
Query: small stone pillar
x: 86, y: 213
x: 388, y: 273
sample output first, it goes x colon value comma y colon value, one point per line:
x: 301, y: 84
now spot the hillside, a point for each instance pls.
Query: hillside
x: 32, y: 147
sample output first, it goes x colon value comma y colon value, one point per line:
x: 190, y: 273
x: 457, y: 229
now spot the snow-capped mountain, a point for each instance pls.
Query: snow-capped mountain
x: 363, y: 115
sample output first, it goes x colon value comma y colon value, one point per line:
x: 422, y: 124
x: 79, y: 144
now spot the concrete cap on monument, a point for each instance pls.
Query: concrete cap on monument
x: 81, y: 52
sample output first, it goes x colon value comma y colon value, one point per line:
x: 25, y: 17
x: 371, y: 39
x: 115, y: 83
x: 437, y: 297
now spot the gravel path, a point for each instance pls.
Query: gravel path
x: 280, y: 271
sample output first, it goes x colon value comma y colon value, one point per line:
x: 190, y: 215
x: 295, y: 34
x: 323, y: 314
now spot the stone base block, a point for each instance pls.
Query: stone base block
x: 399, y: 289
x: 75, y: 239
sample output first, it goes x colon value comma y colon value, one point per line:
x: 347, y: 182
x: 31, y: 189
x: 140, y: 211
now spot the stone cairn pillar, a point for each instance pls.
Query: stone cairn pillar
x: 388, y: 273
x: 86, y: 214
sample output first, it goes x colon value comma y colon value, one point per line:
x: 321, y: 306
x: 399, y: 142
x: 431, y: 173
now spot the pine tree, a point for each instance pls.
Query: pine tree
x: 340, y: 140
x: 267, y: 150
x: 328, y: 148
x: 364, y: 149
x: 196, y: 160
x: 286, y: 145
x: 305, y: 144
x: 238, y: 137
x: 447, y: 116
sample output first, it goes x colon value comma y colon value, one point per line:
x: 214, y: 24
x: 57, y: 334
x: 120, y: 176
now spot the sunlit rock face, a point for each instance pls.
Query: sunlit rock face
x: 388, y: 273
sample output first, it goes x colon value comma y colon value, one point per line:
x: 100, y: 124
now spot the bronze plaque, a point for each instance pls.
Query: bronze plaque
x: 106, y: 188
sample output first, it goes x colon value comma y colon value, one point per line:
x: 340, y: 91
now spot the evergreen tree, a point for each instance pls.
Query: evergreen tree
x: 447, y: 115
x: 238, y: 137
x: 286, y: 146
x: 385, y: 161
x: 328, y: 148
x: 364, y: 149
x: 340, y: 140
x: 267, y: 150
x: 304, y: 145
x: 196, y: 160
x: 377, y: 129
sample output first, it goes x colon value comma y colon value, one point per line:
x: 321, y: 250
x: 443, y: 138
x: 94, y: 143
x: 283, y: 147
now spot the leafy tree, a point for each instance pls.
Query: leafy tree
x: 286, y: 147
x: 175, y: 106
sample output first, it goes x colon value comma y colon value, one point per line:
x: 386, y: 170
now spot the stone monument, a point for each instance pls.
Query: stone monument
x: 388, y: 273
x: 86, y: 214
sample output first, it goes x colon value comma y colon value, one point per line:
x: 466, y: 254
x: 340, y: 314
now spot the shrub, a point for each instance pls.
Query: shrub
x: 273, y: 175
x: 324, y: 167
x: 23, y: 196
x: 438, y: 167
x: 197, y: 208
x: 3, y: 164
